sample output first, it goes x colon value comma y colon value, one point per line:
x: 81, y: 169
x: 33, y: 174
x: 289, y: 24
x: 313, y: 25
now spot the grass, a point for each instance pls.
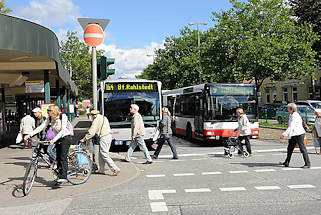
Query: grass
x: 278, y: 125
x: 273, y: 125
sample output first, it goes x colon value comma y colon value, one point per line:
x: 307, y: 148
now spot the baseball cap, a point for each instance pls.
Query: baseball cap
x: 37, y: 110
x: 94, y: 112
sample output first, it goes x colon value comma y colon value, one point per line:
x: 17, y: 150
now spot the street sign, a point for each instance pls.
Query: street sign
x: 93, y: 35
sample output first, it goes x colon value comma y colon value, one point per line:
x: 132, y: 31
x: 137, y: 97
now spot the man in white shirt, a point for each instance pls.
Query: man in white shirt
x: 296, y: 133
x: 27, y: 124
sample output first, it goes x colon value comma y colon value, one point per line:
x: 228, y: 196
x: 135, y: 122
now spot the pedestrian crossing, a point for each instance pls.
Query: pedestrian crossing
x: 160, y: 206
x: 233, y: 172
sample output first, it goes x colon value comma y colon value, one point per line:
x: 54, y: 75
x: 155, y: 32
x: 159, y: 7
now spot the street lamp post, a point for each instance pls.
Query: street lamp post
x: 199, y: 46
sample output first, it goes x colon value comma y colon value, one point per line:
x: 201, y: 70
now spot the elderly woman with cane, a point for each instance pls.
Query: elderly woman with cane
x: 296, y: 132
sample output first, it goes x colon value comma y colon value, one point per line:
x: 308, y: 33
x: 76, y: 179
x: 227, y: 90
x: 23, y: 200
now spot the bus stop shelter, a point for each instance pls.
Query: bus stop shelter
x: 31, y: 72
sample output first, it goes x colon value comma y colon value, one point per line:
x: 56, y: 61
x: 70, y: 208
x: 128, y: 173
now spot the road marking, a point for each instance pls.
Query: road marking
x: 158, y: 161
x: 200, y: 190
x: 279, y: 154
x: 184, y: 174
x: 290, y: 169
x: 199, y: 159
x: 264, y: 170
x: 316, y: 167
x: 175, y: 160
x: 154, y: 176
x: 268, y: 188
x: 236, y: 172
x: 158, y: 194
x: 182, y: 155
x: 301, y: 186
x: 158, y: 206
x: 278, y: 150
x: 228, y: 189
x: 211, y: 173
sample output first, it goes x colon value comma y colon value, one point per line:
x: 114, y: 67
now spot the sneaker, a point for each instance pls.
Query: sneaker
x: 148, y: 162
x: 175, y: 158
x: 284, y: 164
x: 305, y: 167
x: 62, y: 180
x: 115, y: 173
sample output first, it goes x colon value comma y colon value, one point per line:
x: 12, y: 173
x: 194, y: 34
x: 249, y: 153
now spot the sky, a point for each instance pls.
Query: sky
x: 135, y: 30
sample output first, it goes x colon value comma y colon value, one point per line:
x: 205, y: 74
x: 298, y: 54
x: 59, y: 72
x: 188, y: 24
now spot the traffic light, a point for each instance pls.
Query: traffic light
x: 102, y: 65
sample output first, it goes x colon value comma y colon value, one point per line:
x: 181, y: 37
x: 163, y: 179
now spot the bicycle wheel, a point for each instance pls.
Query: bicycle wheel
x: 79, y: 168
x: 29, y: 177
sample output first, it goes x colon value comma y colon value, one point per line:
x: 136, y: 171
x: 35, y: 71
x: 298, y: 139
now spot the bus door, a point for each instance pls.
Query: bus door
x: 198, y: 118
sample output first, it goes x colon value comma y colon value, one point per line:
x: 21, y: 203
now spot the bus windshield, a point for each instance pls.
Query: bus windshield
x: 223, y: 102
x: 117, y: 106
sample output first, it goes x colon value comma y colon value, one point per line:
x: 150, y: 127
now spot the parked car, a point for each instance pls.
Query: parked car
x: 270, y: 110
x: 305, y: 111
x: 315, y: 104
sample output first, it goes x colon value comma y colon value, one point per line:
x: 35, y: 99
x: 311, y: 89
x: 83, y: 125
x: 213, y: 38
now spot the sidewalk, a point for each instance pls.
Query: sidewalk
x: 14, y: 160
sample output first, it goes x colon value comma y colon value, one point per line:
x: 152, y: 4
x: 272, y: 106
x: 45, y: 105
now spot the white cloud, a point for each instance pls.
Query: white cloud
x: 130, y: 62
x: 49, y: 12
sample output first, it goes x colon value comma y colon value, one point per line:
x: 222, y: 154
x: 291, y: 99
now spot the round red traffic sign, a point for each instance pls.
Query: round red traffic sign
x: 93, y: 35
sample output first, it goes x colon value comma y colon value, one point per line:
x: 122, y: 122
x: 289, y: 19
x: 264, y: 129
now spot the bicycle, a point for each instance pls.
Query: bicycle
x: 79, y: 166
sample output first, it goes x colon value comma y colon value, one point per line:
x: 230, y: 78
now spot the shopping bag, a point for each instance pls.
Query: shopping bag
x: 19, y: 138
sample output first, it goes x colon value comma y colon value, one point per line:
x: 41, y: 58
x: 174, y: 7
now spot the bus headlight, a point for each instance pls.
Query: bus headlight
x: 210, y: 133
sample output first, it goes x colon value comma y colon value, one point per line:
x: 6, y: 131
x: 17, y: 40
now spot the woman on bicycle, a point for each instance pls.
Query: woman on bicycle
x: 62, y: 139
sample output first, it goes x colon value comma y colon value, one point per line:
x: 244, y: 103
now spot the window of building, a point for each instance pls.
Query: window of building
x: 274, y: 94
x: 268, y: 96
x: 285, y: 95
x: 294, y: 94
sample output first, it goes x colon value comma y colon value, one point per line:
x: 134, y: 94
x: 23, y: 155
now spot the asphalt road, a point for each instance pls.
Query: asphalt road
x: 202, y: 181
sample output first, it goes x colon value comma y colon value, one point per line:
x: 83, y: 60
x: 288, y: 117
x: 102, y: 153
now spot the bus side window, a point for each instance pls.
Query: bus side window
x: 177, y: 105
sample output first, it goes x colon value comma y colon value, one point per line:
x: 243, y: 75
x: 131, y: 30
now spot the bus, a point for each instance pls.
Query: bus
x: 115, y: 98
x: 208, y: 111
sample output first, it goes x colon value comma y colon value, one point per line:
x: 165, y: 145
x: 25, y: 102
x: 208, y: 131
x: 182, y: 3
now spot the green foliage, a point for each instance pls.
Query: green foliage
x: 76, y: 54
x: 310, y: 12
x: 258, y: 39
x: 3, y: 8
x: 262, y: 41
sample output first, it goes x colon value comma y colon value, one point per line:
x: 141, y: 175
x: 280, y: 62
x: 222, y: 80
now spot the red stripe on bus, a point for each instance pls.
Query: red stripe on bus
x: 227, y: 132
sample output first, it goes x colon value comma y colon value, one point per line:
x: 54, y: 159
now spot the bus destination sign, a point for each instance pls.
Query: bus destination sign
x: 132, y: 87
x: 235, y: 90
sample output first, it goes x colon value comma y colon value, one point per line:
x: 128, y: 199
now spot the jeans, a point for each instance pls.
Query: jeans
x: 299, y: 139
x: 62, y: 148
x: 52, y: 151
x: 247, y: 143
x: 104, y: 157
x: 141, y: 143
x: 161, y: 142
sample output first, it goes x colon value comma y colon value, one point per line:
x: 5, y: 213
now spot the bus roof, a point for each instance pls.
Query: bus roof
x: 199, y: 88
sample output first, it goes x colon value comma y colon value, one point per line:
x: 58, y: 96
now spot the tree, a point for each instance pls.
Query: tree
x: 262, y: 41
x: 309, y: 11
x: 177, y: 64
x: 3, y: 8
x: 76, y: 54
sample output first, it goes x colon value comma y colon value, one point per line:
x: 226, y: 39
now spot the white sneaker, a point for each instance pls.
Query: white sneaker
x: 62, y: 180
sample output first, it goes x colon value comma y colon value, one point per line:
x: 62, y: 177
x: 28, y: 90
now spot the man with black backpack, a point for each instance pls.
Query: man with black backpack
x: 101, y: 133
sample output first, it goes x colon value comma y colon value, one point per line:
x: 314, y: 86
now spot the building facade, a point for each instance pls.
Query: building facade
x: 290, y: 90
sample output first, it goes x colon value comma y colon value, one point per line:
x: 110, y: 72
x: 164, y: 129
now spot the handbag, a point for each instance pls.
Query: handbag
x: 50, y: 135
x: 19, y: 138
x: 96, y: 137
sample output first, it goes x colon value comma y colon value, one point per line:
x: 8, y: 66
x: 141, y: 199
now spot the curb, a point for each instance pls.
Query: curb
x: 276, y: 128
x: 73, y: 197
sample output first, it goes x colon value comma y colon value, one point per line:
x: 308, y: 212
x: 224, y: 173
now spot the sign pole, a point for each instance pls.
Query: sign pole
x: 94, y: 68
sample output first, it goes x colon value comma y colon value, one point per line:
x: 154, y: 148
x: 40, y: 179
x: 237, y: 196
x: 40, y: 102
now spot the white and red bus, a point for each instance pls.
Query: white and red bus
x: 208, y: 111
